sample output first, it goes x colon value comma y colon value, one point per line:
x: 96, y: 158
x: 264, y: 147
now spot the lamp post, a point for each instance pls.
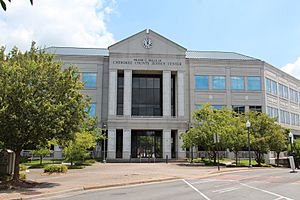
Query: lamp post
x: 291, y: 136
x: 217, y: 141
x: 104, y: 145
x: 248, y: 125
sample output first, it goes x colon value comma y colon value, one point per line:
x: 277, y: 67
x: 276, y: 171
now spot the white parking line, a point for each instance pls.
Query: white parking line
x: 203, y: 195
x: 226, y: 190
x: 272, y: 193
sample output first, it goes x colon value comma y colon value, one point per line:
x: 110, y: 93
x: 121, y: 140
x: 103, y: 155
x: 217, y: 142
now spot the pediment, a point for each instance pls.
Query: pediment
x: 147, y: 42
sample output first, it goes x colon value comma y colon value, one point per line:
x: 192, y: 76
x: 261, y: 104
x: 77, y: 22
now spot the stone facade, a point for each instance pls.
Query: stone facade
x: 150, y: 53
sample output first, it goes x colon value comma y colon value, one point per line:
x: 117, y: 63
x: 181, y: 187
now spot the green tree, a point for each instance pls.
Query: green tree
x: 261, y: 132
x: 76, y: 150
x: 279, y: 140
x: 236, y: 139
x: 3, y: 4
x: 209, y: 121
x: 38, y: 100
x: 44, y: 150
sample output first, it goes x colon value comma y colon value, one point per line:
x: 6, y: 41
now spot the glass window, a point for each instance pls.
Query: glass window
x: 120, y: 94
x: 201, y: 82
x: 218, y: 107
x: 274, y: 87
x: 198, y: 106
x: 283, y: 91
x: 254, y: 83
x: 237, y: 83
x: 218, y: 83
x: 89, y: 79
x: 146, y: 95
x: 238, y: 109
x: 287, y: 117
x: 269, y: 111
x: 293, y: 120
x: 280, y: 88
x: 275, y: 113
x: 282, y: 116
x: 255, y: 108
x: 297, y: 119
x: 91, y: 110
x: 268, y: 85
x: 271, y: 86
x: 293, y: 95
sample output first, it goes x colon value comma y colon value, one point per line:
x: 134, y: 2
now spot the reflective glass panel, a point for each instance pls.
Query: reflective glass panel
x: 218, y: 83
x: 89, y: 79
x: 237, y: 83
x: 201, y: 82
x: 254, y: 83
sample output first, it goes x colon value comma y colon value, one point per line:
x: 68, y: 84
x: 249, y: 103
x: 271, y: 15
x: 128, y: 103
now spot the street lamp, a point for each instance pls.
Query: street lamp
x: 104, y: 158
x: 291, y: 136
x: 248, y: 125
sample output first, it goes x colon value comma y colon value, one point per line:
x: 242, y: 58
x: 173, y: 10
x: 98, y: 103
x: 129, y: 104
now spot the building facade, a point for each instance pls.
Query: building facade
x: 145, y: 88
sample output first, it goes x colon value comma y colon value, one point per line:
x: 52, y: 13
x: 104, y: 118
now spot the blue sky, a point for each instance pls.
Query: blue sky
x: 265, y: 29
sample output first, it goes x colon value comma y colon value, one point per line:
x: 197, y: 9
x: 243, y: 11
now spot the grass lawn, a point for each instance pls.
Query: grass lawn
x: 36, y: 163
x: 226, y: 161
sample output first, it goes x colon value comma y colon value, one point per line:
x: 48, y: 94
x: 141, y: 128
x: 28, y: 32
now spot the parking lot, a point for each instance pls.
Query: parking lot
x: 267, y: 184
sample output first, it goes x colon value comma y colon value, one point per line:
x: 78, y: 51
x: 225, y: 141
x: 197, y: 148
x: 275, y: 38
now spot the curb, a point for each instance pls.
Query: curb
x: 52, y: 194
x: 86, y: 188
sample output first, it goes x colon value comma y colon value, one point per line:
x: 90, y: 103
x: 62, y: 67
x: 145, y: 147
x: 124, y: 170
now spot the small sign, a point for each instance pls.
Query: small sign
x: 292, y: 164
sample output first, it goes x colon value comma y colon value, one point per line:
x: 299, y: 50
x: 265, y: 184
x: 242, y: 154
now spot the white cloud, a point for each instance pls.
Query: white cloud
x: 80, y: 23
x: 293, y: 68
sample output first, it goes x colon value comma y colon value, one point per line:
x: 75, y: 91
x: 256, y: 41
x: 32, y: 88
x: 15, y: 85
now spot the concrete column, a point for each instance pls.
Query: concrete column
x: 180, y: 85
x: 127, y: 92
x: 126, y: 143
x: 166, y: 93
x: 112, y: 92
x: 181, y: 153
x: 166, y: 143
x: 111, y: 144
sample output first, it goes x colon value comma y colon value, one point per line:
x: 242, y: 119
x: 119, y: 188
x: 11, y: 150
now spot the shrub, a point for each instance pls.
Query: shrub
x: 76, y: 166
x: 22, y: 167
x: 23, y: 176
x: 4, y: 177
x: 55, y: 169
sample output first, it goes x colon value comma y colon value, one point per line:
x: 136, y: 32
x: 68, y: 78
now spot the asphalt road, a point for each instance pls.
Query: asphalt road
x: 256, y: 184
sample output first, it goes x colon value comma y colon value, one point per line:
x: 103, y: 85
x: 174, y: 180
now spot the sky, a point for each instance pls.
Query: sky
x: 265, y: 29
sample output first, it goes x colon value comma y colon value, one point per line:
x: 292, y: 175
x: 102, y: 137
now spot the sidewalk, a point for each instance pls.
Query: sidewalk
x: 108, y: 175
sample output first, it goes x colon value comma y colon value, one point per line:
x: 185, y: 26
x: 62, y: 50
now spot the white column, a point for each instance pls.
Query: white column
x: 181, y: 151
x: 167, y: 93
x: 111, y: 144
x: 127, y: 91
x: 112, y: 92
x: 180, y: 85
x: 126, y: 143
x: 166, y: 143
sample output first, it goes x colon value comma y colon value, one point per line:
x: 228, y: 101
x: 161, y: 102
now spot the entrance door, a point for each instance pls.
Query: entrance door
x: 146, y: 143
x: 146, y: 146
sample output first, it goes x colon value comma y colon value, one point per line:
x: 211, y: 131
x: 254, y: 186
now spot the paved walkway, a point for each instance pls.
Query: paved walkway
x: 108, y: 175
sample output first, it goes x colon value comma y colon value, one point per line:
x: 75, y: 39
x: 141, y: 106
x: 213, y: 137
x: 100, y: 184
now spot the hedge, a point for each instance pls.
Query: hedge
x: 55, y: 169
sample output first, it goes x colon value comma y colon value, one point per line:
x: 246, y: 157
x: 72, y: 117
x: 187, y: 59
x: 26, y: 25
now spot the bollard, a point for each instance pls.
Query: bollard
x: 167, y: 159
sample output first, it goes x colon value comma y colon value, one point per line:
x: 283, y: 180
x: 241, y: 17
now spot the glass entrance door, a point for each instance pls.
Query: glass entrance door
x: 146, y: 143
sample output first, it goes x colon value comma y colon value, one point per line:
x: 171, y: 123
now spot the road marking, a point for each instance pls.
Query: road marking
x: 226, y: 190
x: 202, y: 181
x: 203, y: 195
x: 278, y: 198
x: 272, y: 193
